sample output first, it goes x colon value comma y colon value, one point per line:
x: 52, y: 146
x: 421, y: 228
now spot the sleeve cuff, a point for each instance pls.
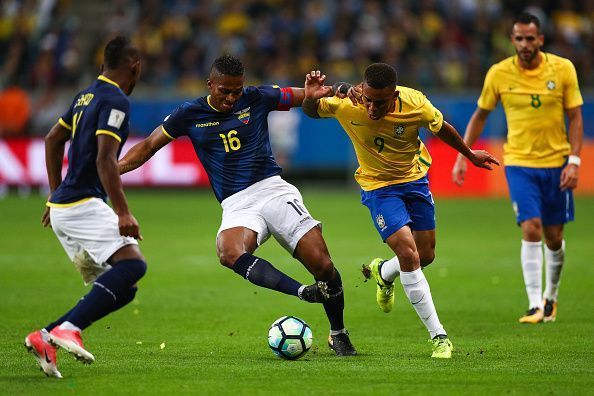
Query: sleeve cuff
x: 64, y: 124
x: 110, y: 133
x: 166, y: 133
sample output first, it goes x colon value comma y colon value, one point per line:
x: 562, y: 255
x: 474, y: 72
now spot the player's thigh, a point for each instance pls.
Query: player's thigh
x: 91, y: 226
x: 234, y: 242
x: 557, y: 206
x: 312, y: 252
x: 403, y: 245
x: 525, y: 192
x: 387, y: 209
x: 289, y: 220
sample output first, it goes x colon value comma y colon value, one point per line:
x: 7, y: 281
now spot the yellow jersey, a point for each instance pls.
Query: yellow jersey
x: 388, y: 150
x: 534, y: 102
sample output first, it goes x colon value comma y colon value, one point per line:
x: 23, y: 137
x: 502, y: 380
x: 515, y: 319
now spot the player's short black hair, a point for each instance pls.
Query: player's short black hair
x: 526, y: 18
x: 118, y: 51
x: 380, y: 75
x: 227, y: 65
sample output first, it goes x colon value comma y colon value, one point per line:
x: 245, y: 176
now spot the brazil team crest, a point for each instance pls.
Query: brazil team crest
x: 399, y: 130
x: 381, y: 223
x: 551, y: 85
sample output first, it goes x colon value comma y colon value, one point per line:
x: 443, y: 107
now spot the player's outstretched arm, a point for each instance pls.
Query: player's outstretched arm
x: 55, y: 141
x: 479, y: 158
x: 569, y: 176
x: 143, y: 151
x: 107, y: 169
x: 314, y: 90
x: 473, y: 131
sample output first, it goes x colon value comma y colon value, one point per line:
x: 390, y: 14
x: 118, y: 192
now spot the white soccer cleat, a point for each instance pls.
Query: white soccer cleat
x: 44, y: 353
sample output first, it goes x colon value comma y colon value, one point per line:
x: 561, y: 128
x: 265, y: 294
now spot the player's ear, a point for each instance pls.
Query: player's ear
x: 396, y: 94
x: 209, y: 83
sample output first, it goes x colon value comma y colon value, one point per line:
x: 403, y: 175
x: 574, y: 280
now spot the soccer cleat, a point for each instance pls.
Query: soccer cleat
x: 71, y: 341
x: 532, y: 316
x: 44, y: 353
x: 384, y: 293
x: 316, y: 293
x: 341, y: 344
x: 442, y: 347
x: 550, y: 311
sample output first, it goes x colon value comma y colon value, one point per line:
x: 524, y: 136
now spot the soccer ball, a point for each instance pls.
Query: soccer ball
x: 289, y: 337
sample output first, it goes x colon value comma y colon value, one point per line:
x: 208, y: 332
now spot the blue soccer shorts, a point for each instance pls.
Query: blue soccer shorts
x: 393, y: 207
x: 535, y: 193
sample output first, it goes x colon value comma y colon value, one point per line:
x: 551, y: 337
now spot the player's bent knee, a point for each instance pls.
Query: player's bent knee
x: 228, y: 259
x: 426, y: 258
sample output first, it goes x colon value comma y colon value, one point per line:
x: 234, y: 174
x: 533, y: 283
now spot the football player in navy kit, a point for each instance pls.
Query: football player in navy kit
x: 229, y: 132
x: 101, y: 241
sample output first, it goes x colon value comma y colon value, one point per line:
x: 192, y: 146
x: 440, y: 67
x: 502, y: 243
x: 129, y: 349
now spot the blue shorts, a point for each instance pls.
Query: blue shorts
x: 535, y: 192
x: 393, y: 207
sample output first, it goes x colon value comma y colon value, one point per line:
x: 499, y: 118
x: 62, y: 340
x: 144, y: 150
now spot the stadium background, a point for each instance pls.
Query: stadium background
x: 51, y: 48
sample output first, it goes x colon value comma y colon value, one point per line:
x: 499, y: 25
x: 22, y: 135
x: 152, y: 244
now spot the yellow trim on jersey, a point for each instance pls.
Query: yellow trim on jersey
x: 166, y: 133
x: 64, y: 124
x: 66, y: 205
x: 208, y: 101
x: 110, y: 133
x: 107, y: 80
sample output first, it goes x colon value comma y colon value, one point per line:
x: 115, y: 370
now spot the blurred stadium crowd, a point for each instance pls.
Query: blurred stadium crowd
x: 53, y: 46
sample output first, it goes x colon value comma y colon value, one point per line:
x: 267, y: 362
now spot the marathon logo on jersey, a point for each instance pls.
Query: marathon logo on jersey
x: 116, y: 117
x: 399, y: 130
x: 381, y: 223
x: 207, y: 124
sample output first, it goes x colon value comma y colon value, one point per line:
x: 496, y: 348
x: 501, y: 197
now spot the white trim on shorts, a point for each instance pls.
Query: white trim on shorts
x: 269, y: 207
x: 91, y: 226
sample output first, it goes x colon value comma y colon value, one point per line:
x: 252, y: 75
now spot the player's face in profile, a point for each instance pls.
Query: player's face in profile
x: 224, y: 91
x: 378, y: 102
x: 527, y: 41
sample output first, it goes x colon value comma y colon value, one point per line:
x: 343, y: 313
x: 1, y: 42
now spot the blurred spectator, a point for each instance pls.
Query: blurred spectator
x: 14, y: 111
x: 443, y: 44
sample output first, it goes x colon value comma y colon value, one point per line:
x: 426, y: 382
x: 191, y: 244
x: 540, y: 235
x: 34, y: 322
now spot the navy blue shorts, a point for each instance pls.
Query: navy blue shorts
x: 393, y: 207
x: 535, y: 192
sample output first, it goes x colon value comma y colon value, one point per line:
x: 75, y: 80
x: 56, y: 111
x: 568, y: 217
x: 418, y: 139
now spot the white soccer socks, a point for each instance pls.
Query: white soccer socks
x: 531, y: 257
x: 554, y: 263
x: 390, y: 269
x: 417, y: 290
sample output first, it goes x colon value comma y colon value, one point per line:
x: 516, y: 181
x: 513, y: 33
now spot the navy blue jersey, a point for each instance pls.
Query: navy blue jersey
x: 233, y: 147
x: 102, y: 108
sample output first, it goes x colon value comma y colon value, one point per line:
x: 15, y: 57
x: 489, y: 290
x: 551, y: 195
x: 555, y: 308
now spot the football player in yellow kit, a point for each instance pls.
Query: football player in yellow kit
x: 383, y: 121
x: 537, y: 89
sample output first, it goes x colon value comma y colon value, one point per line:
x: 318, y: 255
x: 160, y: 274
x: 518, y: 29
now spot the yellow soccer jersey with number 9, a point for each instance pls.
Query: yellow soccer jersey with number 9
x: 389, y: 150
x: 534, y: 102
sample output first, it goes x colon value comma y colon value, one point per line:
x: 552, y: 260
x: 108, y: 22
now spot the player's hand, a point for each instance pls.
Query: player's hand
x: 355, y: 94
x: 45, y: 217
x: 569, y: 177
x: 482, y: 159
x: 459, y: 170
x: 129, y: 226
x: 314, y: 86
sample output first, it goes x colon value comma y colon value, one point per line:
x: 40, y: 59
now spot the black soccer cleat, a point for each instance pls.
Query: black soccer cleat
x: 341, y: 344
x: 316, y: 293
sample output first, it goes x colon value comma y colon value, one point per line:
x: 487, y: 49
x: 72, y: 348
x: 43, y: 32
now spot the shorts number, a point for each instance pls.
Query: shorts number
x: 231, y: 141
x: 535, y: 102
x: 379, y: 142
x: 298, y: 208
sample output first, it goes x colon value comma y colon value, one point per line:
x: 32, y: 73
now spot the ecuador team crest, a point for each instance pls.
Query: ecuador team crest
x: 244, y: 115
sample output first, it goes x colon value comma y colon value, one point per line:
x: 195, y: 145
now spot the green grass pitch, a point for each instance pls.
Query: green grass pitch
x: 197, y: 328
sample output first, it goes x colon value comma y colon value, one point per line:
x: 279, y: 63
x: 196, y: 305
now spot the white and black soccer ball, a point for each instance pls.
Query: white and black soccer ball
x: 289, y: 337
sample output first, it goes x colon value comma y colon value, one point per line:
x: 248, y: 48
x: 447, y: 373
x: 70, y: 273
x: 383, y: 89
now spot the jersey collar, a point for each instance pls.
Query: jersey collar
x: 212, y: 107
x: 107, y: 80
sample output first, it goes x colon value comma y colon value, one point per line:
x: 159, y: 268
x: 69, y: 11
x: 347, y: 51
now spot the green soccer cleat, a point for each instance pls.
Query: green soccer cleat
x: 442, y: 347
x: 385, y: 291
